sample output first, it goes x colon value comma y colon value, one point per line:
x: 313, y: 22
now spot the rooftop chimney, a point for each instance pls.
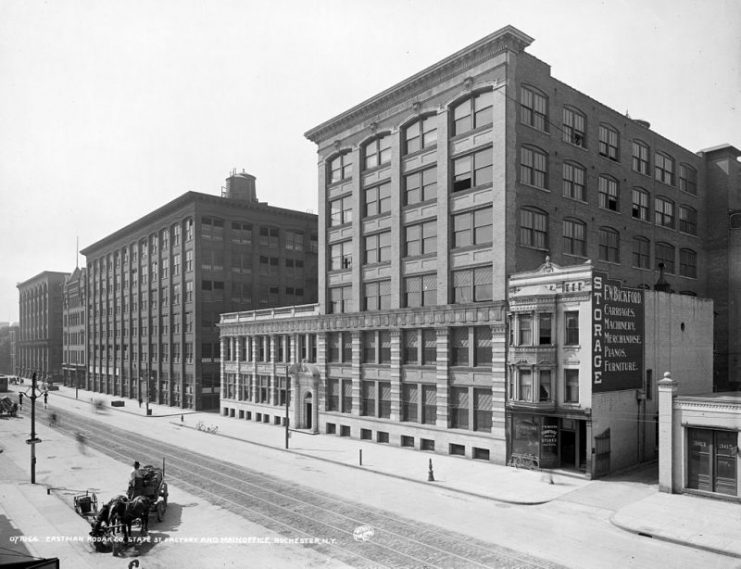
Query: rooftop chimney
x: 241, y: 187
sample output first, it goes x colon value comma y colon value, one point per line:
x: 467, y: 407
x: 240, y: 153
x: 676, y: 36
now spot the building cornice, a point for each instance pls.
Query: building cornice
x: 508, y: 38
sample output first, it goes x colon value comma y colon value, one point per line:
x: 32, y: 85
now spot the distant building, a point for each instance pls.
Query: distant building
x: 74, y: 321
x: 39, y: 346
x: 155, y: 289
x: 13, y: 336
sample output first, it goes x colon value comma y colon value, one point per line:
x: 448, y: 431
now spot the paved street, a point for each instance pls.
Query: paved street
x: 573, y: 530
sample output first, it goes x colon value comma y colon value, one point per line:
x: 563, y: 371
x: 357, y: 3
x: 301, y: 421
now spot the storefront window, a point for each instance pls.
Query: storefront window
x: 711, y: 463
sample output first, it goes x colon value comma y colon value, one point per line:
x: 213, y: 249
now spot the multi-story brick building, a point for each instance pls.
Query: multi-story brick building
x: 431, y: 195
x: 74, y: 321
x: 39, y: 345
x: 155, y: 289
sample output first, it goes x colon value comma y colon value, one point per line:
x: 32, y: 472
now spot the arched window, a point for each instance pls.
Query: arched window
x: 641, y: 252
x: 665, y: 254
x: 608, y: 193
x: 609, y: 142
x: 421, y: 134
x: 688, y: 219
x: 533, y: 167
x: 574, y: 127
x: 534, y: 108
x: 574, y: 177
x: 688, y: 179
x: 574, y: 237
x: 664, y: 212
x: 609, y: 245
x: 664, y: 168
x: 533, y: 228
x: 640, y: 204
x: 472, y: 113
x: 688, y: 263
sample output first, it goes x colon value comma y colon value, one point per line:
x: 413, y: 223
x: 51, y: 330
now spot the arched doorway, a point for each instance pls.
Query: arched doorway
x: 308, y: 408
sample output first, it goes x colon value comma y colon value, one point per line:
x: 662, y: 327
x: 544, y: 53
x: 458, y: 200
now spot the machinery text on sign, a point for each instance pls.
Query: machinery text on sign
x: 617, y: 335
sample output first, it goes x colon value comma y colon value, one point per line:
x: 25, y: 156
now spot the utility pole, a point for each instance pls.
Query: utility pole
x: 33, y: 440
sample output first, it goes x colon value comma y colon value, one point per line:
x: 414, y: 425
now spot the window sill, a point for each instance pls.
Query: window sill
x: 535, y: 128
x: 527, y: 185
x: 471, y: 189
x: 419, y: 152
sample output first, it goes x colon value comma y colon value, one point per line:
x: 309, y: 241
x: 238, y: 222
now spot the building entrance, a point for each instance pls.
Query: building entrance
x: 307, y: 411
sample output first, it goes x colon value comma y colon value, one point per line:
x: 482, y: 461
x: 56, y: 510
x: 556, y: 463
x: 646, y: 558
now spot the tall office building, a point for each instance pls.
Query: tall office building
x: 432, y: 194
x: 39, y: 345
x: 156, y: 287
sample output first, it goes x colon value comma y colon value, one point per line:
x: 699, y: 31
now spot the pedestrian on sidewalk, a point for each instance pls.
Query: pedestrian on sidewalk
x: 81, y: 442
x: 46, y: 398
x: 20, y: 399
x: 140, y: 402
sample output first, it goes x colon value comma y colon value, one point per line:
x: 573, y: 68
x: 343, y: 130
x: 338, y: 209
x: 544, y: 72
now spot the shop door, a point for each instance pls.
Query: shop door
x: 712, y: 461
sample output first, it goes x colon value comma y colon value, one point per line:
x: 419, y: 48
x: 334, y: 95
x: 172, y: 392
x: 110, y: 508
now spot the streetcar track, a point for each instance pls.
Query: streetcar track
x: 290, y: 504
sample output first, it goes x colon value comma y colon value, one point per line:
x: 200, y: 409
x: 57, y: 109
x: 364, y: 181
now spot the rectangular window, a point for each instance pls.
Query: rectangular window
x: 459, y: 407
x: 334, y: 340
x: 333, y: 395
x: 347, y: 396
x: 384, y: 399
x: 421, y: 134
x: 420, y: 186
x: 473, y: 227
x: 369, y: 342
x: 409, y: 403
x: 340, y: 299
x: 482, y: 407
x: 472, y: 170
x: 665, y: 256
x: 377, y: 296
x: 571, y: 386
x: 384, y: 351
x: 524, y: 385
x: 340, y: 168
x: 545, y: 334
x: 368, y: 402
x: 420, y: 239
x: 609, y: 245
x: 459, y: 346
x: 340, y: 211
x: 410, y: 347
x: 340, y: 256
x: 429, y: 347
x: 472, y: 285
x: 378, y: 200
x: 545, y: 389
x: 429, y: 404
x: 482, y: 346
x: 525, y: 330
x: 378, y: 248
x: 420, y: 291
x: 571, y: 337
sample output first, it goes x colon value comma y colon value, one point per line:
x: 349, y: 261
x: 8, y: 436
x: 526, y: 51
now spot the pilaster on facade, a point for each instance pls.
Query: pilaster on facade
x: 443, y: 207
x: 395, y: 376
x: 442, y: 377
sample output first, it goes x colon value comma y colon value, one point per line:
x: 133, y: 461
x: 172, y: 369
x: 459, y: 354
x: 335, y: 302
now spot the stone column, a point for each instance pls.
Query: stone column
x: 667, y: 388
x: 395, y: 377
x: 223, y: 342
x: 442, y: 377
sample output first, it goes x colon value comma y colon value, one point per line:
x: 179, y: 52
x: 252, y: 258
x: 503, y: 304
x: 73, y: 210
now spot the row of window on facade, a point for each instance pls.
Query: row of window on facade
x: 211, y: 228
x: 468, y: 407
x: 534, y: 233
x: 476, y: 112
x: 475, y: 170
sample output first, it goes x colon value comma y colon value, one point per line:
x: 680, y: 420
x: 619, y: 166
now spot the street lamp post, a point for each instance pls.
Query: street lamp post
x: 288, y: 395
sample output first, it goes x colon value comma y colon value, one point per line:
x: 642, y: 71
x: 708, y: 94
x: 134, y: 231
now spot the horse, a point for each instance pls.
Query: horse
x: 131, y: 510
x: 107, y: 514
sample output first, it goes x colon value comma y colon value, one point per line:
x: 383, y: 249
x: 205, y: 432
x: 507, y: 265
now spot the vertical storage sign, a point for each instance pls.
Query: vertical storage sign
x: 617, y: 335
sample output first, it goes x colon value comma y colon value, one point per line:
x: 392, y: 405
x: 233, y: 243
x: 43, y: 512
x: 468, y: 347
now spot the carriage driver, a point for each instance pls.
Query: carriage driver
x: 134, y: 479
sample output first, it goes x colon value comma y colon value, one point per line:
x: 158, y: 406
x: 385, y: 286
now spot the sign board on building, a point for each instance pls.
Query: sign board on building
x: 617, y: 335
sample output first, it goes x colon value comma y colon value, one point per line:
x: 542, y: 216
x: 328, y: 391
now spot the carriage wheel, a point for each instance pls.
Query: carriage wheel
x: 161, y: 508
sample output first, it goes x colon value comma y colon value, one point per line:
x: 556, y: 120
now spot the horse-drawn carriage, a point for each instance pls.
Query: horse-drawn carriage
x: 8, y: 407
x: 117, y: 516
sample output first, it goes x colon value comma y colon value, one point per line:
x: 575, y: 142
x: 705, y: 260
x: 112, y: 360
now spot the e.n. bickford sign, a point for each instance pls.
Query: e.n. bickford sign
x: 617, y: 335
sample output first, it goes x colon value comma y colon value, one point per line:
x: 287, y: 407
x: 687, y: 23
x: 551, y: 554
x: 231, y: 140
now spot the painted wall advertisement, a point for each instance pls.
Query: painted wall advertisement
x: 617, y: 335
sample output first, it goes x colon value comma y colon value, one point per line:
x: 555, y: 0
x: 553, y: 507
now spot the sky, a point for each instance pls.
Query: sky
x: 110, y: 109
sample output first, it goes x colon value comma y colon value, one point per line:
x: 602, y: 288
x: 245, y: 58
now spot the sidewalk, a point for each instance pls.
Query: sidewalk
x: 703, y: 523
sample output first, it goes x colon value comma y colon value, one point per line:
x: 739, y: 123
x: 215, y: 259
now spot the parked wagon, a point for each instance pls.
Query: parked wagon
x: 8, y: 407
x: 102, y: 533
x: 152, y: 485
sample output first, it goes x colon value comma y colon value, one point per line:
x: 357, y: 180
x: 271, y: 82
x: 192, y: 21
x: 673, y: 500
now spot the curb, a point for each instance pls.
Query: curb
x: 673, y: 540
x: 379, y: 472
